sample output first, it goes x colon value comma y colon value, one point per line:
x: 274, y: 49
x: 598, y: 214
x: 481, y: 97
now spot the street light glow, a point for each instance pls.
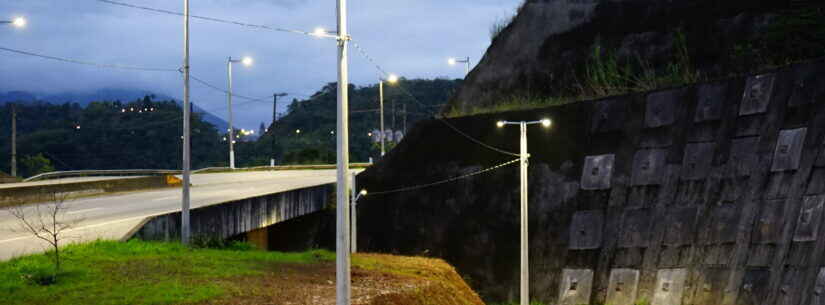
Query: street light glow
x: 546, y: 122
x: 392, y: 79
x: 319, y: 32
x: 363, y: 192
x: 19, y: 22
x: 247, y: 61
x: 500, y: 124
x: 451, y: 61
x: 297, y: 131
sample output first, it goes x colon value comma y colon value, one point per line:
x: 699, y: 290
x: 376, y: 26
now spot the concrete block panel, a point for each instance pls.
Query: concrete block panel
x: 725, y: 223
x: 576, y: 286
x: 757, y: 96
x: 670, y: 286
x: 597, y: 172
x: 789, y: 149
x: 661, y: 108
x: 635, y: 229
x: 817, y: 183
x: 818, y: 295
x: 769, y: 225
x: 681, y: 223
x: 621, y: 290
x: 711, y: 286
x: 821, y: 160
x: 697, y: 161
x: 609, y: 115
x: 586, y: 230
x: 711, y: 98
x: 649, y: 167
x: 755, y: 286
x: 810, y: 216
x: 742, y: 156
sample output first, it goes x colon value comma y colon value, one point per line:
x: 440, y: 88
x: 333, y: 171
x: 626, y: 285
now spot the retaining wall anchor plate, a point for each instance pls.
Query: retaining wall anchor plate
x: 661, y: 110
x: 586, y: 230
x: 810, y: 216
x: 670, y: 286
x: 648, y: 167
x: 709, y: 107
x: 789, y: 149
x: 597, y: 172
x: 697, y: 161
x: 576, y: 286
x: 757, y: 96
x: 621, y: 290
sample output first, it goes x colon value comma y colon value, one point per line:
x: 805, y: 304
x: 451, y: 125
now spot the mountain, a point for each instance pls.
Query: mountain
x: 84, y: 98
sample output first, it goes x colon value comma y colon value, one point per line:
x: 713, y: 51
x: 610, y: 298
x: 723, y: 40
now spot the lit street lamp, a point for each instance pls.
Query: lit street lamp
x: 246, y: 61
x: 392, y: 79
x: 523, y: 156
x: 454, y: 61
x: 354, y: 215
x: 18, y: 22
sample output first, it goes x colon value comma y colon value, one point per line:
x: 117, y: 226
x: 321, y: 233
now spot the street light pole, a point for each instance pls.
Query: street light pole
x: 16, y: 22
x: 13, y: 140
x: 185, y: 228
x: 246, y: 61
x: 342, y: 263
x: 381, y: 106
x: 466, y: 60
x: 523, y: 164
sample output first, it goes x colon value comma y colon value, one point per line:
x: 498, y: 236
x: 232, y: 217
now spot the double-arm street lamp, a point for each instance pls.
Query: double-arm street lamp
x: 19, y: 22
x: 523, y: 163
x: 392, y: 79
x: 454, y: 61
x: 246, y: 61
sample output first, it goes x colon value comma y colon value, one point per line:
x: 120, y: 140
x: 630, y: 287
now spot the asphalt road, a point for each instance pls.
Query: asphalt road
x: 111, y: 217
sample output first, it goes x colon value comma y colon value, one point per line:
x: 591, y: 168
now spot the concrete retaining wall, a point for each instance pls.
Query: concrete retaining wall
x: 706, y: 194
x: 236, y: 217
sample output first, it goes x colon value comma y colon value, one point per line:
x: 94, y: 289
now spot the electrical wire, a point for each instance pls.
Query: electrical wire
x: 421, y: 186
x: 87, y: 63
x: 405, y: 91
x: 243, y: 24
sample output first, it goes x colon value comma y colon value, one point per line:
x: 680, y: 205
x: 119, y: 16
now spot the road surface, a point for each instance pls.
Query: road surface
x: 111, y: 217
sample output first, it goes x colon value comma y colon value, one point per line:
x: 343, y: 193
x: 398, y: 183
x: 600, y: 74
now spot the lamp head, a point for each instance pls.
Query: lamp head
x: 363, y: 192
x: 451, y: 61
x: 319, y: 32
x: 500, y: 124
x: 247, y: 61
x: 19, y: 22
x: 546, y: 122
x: 392, y: 79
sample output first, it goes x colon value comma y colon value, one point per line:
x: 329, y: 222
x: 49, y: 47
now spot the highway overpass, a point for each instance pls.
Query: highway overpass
x: 115, y: 216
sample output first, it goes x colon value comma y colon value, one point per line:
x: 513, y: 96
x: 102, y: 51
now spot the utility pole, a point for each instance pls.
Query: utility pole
x: 272, y: 126
x: 342, y: 261
x: 381, y: 106
x: 404, y: 118
x: 13, y: 140
x: 185, y: 232
x: 231, y: 128
x: 523, y: 163
x: 393, y: 116
x: 354, y: 217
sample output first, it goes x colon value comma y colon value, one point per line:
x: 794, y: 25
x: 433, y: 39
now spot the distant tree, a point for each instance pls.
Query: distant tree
x: 37, y: 164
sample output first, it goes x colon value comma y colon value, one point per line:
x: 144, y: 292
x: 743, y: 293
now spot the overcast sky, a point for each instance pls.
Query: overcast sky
x: 412, y: 38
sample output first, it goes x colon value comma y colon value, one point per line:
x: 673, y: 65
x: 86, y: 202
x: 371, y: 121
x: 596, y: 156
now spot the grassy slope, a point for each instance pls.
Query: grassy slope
x: 165, y: 273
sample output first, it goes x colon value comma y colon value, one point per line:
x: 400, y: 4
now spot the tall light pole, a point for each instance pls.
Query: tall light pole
x: 18, y: 22
x: 466, y: 60
x: 185, y: 232
x: 392, y: 79
x: 523, y: 163
x: 354, y: 215
x: 247, y: 62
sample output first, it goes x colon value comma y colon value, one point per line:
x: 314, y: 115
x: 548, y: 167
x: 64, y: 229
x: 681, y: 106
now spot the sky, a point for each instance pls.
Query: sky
x: 411, y: 38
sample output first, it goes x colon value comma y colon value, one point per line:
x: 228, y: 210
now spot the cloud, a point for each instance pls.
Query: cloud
x: 410, y: 38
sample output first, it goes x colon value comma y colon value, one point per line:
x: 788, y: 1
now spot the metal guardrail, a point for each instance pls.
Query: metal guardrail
x: 150, y: 172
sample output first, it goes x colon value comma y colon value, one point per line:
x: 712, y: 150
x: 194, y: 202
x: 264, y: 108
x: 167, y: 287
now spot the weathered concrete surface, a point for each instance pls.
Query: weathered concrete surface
x: 228, y: 219
x: 719, y: 194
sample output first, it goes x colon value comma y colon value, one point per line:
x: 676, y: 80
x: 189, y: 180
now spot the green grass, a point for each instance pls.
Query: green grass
x: 138, y: 272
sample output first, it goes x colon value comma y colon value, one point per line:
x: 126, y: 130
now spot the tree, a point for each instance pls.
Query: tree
x: 37, y: 164
x: 46, y: 222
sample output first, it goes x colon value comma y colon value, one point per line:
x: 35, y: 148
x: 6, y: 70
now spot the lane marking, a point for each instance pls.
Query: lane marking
x: 165, y: 198
x: 81, y: 228
x: 83, y: 211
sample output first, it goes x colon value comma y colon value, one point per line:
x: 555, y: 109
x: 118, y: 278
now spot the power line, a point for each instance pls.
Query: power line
x: 87, y: 63
x: 465, y: 176
x: 405, y: 91
x: 243, y: 24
